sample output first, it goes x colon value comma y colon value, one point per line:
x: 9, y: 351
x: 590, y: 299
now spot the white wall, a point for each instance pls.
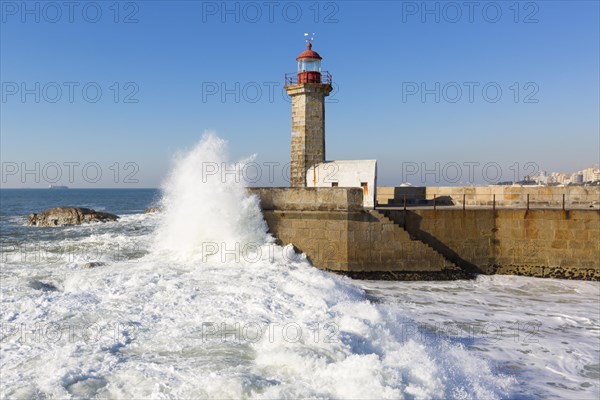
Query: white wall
x: 346, y: 173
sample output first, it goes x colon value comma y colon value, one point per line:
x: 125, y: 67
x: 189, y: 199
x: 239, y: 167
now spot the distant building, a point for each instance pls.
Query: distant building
x: 541, y: 178
x: 591, y: 174
x: 560, y: 178
x: 577, y: 178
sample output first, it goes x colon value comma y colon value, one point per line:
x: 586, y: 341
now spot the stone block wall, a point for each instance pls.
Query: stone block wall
x: 337, y: 234
x: 505, y: 196
x: 376, y: 243
x: 308, y: 128
x: 310, y: 199
x: 464, y: 237
x: 549, y: 243
x: 543, y: 243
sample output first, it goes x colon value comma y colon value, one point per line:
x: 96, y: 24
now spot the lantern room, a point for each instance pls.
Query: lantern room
x: 309, y: 66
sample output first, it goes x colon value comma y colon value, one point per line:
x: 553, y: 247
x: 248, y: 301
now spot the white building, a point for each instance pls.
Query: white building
x: 591, y: 174
x: 346, y: 173
x: 577, y: 178
x: 541, y: 178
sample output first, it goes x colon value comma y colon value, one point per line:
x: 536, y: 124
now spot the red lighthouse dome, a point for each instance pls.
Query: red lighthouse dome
x: 309, y: 66
x: 309, y: 53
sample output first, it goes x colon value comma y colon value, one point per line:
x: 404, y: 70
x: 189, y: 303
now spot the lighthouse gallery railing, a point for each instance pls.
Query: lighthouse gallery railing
x: 292, y: 78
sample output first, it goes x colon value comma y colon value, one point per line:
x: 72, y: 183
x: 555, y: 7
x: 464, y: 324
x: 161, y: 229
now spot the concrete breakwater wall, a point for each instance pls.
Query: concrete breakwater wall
x: 337, y: 234
x: 332, y: 228
x: 504, y: 196
x: 542, y: 243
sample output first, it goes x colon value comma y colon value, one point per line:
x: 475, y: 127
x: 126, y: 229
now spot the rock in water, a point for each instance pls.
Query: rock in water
x: 69, y: 216
x: 93, y: 264
x: 39, y: 285
x: 151, y: 210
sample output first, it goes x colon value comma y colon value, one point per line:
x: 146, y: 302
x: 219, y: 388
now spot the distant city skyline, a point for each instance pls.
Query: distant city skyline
x: 591, y: 174
x: 96, y: 90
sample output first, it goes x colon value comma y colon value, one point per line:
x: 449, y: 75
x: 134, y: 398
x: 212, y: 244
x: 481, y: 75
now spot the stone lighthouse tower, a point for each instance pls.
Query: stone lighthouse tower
x: 308, y: 89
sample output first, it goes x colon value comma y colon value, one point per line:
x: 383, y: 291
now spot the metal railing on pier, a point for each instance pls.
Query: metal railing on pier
x: 492, y: 201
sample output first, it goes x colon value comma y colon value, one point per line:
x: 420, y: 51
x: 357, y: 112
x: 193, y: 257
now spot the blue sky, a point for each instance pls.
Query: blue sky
x: 158, y: 64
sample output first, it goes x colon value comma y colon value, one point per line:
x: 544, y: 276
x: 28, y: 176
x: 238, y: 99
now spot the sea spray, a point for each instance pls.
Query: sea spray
x: 206, y: 206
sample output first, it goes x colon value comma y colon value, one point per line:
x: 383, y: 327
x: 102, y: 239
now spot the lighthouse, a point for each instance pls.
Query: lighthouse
x: 307, y: 88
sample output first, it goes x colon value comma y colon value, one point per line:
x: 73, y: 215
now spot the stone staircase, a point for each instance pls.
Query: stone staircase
x: 417, y: 254
x: 398, y: 218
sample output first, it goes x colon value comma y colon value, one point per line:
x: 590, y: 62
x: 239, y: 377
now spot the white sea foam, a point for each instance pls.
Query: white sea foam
x: 545, y: 331
x: 176, y: 322
x: 202, y: 208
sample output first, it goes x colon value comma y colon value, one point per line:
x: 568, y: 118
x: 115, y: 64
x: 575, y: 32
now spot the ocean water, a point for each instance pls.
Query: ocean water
x: 199, y: 302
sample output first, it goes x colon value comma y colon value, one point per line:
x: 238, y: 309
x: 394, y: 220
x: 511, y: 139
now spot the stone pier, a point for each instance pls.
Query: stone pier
x: 331, y: 226
x: 337, y: 234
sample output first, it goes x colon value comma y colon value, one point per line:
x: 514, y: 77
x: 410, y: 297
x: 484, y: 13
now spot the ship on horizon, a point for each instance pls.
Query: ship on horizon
x: 57, y: 187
